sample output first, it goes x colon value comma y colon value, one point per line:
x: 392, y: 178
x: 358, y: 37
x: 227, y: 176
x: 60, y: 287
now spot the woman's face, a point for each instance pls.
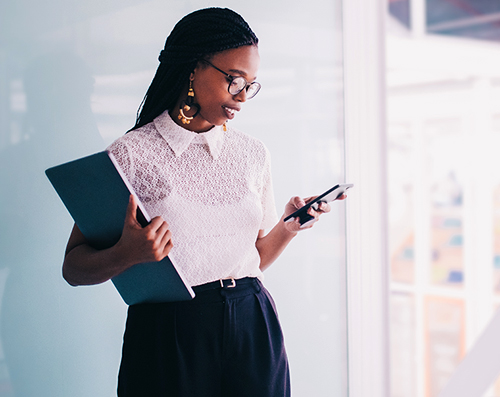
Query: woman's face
x: 210, y: 87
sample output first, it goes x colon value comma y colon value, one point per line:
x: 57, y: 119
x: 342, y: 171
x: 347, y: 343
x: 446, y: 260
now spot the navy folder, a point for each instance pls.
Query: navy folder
x: 96, y: 193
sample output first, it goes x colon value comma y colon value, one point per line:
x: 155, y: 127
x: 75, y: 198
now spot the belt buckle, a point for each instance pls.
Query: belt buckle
x: 232, y: 285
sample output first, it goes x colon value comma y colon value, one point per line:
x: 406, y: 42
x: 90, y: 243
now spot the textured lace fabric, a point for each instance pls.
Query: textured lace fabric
x: 214, y: 189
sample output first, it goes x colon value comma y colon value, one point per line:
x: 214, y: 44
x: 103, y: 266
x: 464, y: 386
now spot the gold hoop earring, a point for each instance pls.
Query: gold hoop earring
x: 187, y: 105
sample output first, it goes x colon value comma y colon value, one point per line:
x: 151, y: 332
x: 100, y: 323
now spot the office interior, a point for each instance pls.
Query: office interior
x: 394, y: 293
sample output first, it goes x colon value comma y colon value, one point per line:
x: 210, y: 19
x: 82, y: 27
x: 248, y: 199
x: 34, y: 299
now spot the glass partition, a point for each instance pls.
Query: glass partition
x: 72, y: 76
x: 443, y: 132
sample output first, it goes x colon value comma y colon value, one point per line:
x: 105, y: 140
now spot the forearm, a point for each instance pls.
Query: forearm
x: 84, y: 265
x: 272, y: 245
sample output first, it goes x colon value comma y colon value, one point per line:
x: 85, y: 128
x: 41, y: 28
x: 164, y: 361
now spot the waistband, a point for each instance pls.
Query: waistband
x: 226, y: 283
x: 216, y: 291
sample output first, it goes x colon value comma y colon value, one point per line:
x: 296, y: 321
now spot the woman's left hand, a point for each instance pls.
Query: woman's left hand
x: 296, y: 203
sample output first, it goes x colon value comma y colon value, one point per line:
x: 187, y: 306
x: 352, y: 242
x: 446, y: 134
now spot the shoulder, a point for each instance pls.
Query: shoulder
x: 146, y: 132
x: 246, y: 143
x: 131, y: 149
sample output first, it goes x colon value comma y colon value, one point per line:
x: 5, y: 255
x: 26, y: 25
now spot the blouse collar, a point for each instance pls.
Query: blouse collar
x: 179, y: 138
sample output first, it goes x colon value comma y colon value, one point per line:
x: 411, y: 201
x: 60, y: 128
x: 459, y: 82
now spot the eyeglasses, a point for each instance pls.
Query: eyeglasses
x: 239, y: 83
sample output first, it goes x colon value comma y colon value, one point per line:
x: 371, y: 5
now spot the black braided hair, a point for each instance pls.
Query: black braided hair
x: 197, y: 36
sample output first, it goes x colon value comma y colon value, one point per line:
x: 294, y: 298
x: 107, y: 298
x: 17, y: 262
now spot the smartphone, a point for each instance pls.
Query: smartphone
x: 330, y: 195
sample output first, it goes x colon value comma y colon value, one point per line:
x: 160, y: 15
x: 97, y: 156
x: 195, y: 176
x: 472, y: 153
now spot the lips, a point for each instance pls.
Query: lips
x: 230, y: 112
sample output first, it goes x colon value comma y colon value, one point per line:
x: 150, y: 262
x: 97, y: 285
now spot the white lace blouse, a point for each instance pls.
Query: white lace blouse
x: 214, y: 189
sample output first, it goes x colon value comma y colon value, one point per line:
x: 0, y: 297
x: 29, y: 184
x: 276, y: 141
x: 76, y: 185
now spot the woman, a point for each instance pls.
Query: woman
x: 213, y: 186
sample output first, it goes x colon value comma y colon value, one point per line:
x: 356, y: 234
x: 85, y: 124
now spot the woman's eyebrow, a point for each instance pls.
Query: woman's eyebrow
x: 237, y: 71
x: 240, y: 72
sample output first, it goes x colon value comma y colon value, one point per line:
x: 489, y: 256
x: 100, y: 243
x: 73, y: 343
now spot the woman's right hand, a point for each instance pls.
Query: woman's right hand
x: 84, y: 265
x: 140, y: 244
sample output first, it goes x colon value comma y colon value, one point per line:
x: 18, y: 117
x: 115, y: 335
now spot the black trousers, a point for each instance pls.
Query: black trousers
x: 227, y: 342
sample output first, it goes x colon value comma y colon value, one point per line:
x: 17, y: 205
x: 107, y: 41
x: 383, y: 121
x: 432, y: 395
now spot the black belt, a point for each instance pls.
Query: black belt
x: 223, y: 283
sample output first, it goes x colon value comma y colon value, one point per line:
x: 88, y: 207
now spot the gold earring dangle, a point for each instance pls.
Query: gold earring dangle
x: 224, y: 127
x: 187, y: 105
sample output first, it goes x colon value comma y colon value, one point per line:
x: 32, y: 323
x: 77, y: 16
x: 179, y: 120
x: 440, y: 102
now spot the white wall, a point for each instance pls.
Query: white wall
x: 72, y: 75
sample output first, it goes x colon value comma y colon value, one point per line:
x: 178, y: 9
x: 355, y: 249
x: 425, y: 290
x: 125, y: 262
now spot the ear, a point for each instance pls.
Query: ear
x: 197, y: 69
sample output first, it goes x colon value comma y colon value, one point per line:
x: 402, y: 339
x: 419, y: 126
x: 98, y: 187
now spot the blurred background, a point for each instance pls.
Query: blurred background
x: 443, y: 135
x: 72, y: 75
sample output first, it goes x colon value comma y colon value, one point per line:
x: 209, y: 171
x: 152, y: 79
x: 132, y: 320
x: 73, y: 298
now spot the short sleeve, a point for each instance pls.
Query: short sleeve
x: 270, y: 216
